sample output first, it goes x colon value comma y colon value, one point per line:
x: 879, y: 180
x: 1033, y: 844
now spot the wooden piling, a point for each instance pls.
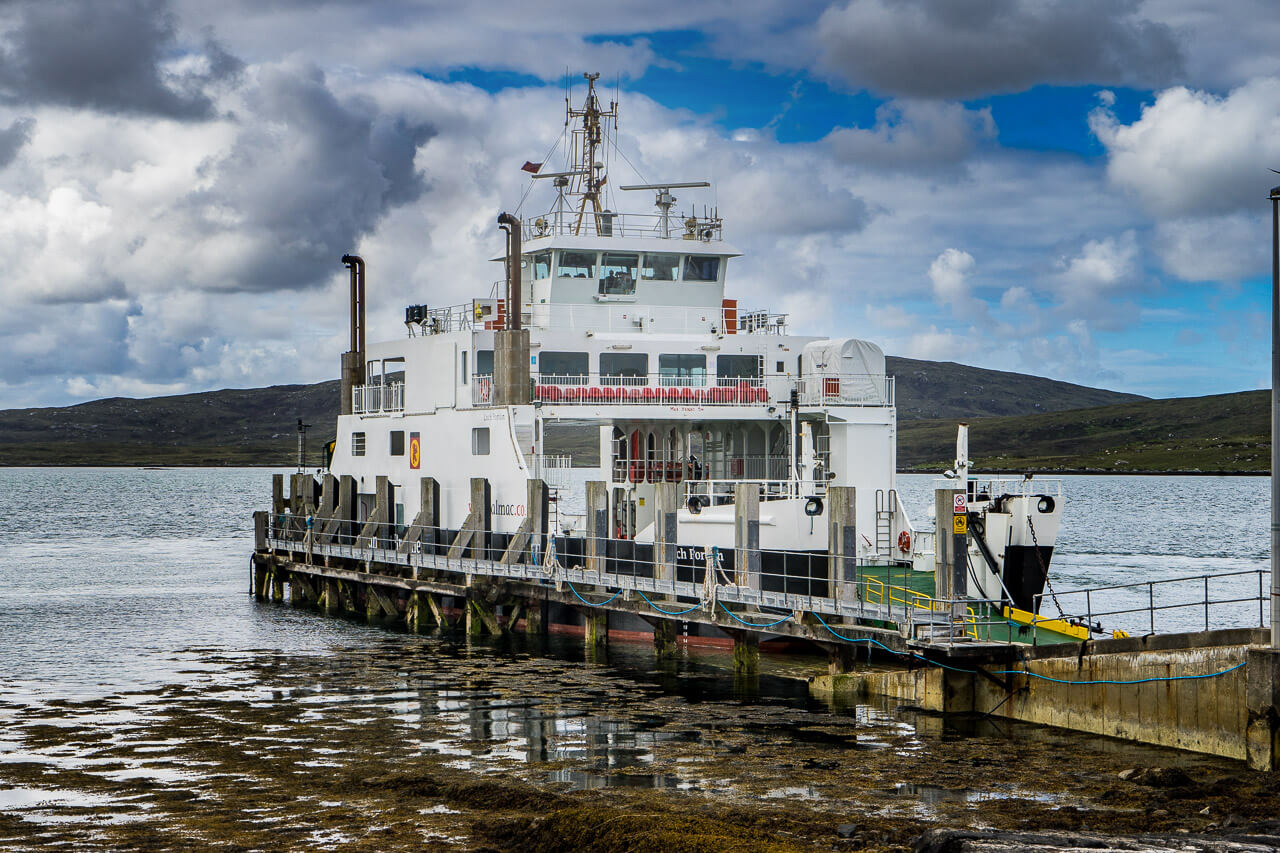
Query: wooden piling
x: 842, y: 542
x: 597, y: 628
x: 746, y: 536
x: 535, y: 615
x: 664, y: 640
x: 473, y: 539
x: 374, y: 532
x: 597, y: 524
x: 422, y: 530
x: 532, y: 533
x: 746, y: 652
x: 666, y: 503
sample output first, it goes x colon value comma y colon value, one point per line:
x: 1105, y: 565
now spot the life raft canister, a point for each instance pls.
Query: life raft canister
x: 904, y: 542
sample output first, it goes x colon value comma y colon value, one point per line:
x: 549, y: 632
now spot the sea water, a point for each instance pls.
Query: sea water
x: 106, y: 575
x: 138, y: 675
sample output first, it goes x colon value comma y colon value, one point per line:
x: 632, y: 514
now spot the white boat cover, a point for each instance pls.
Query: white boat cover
x: 859, y: 364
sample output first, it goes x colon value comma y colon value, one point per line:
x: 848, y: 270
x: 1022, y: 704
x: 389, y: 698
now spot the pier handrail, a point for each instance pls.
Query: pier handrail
x: 618, y: 564
x: 1203, y: 600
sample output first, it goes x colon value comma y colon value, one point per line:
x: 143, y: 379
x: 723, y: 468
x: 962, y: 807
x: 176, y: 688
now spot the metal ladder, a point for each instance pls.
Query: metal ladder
x: 886, y: 508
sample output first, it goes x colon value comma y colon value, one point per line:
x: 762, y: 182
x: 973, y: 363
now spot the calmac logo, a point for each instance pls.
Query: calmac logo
x: 415, y: 451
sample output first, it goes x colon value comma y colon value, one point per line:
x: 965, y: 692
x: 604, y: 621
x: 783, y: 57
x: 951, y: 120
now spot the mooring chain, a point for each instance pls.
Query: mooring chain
x: 1044, y: 570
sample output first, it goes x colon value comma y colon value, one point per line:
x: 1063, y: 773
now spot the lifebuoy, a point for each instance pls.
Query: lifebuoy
x: 904, y: 542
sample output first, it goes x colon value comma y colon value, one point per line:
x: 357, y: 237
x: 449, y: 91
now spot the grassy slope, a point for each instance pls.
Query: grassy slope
x: 944, y: 389
x: 1224, y: 432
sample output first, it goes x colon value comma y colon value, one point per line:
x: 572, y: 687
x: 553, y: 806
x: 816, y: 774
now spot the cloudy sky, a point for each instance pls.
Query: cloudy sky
x: 1072, y: 188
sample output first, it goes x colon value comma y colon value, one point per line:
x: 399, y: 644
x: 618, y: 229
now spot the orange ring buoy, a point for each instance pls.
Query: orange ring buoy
x: 904, y: 542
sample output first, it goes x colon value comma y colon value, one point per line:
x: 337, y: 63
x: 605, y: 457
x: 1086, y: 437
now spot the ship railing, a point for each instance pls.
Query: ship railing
x: 555, y: 469
x: 721, y: 491
x: 1239, y: 599
x: 610, y: 224
x: 373, y: 399
x: 629, y: 317
x: 482, y: 389
x: 715, y: 476
x: 846, y: 389
x: 639, y: 318
x: 781, y: 586
x: 984, y: 487
x: 659, y: 389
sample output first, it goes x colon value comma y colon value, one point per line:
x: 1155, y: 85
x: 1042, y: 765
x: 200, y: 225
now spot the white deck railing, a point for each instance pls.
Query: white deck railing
x: 372, y: 399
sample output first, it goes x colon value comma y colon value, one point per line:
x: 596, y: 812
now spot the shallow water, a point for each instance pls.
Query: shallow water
x: 142, y: 690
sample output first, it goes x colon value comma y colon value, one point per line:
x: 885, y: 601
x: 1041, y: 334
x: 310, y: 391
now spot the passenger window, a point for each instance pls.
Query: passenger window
x: 680, y: 370
x: 660, y: 267
x: 397, y: 442
x: 577, y: 265
x: 480, y: 441
x: 701, y: 268
x: 730, y: 369
x: 542, y: 265
x: 357, y: 444
x: 570, y: 366
x: 618, y: 274
x: 616, y: 367
x: 484, y: 362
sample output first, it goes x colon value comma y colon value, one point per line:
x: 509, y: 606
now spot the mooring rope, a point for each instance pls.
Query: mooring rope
x: 668, y: 612
x: 748, y: 624
x: 589, y: 603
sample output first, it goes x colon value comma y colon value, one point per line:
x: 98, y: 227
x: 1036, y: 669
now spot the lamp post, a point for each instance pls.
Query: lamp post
x: 1275, y: 417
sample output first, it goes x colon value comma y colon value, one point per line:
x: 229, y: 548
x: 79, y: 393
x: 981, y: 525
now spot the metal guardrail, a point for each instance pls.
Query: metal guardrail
x: 872, y: 600
x: 371, y: 399
x: 846, y: 389
x: 606, y: 317
x: 555, y: 223
x: 1194, y: 594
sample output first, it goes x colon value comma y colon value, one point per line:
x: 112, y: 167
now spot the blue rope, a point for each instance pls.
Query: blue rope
x: 669, y: 612
x: 1135, y: 681
x: 748, y: 624
x: 1023, y: 671
x: 588, y: 603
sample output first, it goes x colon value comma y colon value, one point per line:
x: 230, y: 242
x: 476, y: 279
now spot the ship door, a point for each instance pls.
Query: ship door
x: 624, y: 514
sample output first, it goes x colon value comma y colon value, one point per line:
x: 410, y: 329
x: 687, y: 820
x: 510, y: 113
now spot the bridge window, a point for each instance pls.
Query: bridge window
x: 619, y: 365
x: 542, y: 265
x: 397, y: 442
x: 682, y: 370
x: 577, y: 265
x: 660, y: 267
x: 701, y: 268
x: 480, y: 441
x: 618, y: 274
x: 357, y: 444
x: 571, y: 364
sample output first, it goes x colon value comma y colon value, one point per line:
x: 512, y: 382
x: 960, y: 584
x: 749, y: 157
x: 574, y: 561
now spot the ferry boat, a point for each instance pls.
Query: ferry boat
x: 613, y: 351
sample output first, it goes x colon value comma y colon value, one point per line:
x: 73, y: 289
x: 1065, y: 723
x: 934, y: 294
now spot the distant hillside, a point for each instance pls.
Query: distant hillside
x: 258, y: 426
x: 944, y: 389
x: 1221, y: 433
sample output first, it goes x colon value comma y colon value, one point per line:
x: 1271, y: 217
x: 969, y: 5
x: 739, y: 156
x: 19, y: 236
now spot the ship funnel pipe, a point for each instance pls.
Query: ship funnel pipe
x: 356, y: 264
x: 511, y: 225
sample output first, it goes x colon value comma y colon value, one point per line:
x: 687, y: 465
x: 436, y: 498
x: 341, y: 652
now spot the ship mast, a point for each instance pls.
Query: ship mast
x: 587, y: 173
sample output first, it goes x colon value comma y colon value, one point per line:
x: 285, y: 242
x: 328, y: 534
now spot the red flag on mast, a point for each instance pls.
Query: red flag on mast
x: 531, y: 167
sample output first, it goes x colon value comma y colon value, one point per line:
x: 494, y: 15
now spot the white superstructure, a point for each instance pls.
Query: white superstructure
x: 635, y: 355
